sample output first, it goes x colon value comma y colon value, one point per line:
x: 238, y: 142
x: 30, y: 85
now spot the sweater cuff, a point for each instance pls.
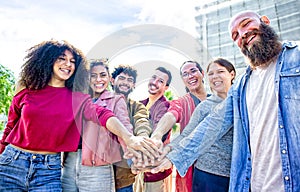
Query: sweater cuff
x: 105, y: 117
x: 138, y: 131
x: 176, y: 115
x: 179, y: 162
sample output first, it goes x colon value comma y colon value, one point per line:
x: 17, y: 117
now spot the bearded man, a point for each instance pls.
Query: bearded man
x: 263, y: 107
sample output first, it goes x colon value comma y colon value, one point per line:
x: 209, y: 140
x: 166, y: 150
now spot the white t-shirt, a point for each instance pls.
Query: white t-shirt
x: 262, y: 105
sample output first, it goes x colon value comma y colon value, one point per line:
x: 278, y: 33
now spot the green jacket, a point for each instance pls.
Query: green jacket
x: 139, y: 118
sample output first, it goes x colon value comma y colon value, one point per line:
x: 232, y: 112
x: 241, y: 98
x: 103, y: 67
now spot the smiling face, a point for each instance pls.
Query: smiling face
x: 244, y: 27
x: 99, y: 80
x: 158, y: 83
x: 123, y: 84
x: 191, y: 76
x: 255, y: 38
x: 63, y: 69
x: 219, y: 79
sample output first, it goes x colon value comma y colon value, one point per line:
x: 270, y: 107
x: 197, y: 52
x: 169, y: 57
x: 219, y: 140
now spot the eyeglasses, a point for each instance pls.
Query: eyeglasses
x: 192, y: 72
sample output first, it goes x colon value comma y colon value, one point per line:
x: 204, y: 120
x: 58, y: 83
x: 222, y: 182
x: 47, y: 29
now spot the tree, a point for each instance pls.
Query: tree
x: 170, y: 96
x: 7, y: 86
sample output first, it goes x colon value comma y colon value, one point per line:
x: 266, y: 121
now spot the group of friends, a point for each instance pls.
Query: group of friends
x: 67, y: 131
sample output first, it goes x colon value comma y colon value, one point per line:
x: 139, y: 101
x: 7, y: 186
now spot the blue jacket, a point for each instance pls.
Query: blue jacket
x: 234, y: 112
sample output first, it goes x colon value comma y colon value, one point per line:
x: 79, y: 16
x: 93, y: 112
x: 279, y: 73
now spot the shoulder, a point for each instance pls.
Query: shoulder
x: 20, y: 94
x: 135, y: 103
x: 206, y: 105
x: 213, y: 98
x: 163, y: 102
x: 291, y: 44
x: 186, y: 97
x: 19, y: 88
x: 145, y: 101
x: 107, y: 95
x: 20, y: 91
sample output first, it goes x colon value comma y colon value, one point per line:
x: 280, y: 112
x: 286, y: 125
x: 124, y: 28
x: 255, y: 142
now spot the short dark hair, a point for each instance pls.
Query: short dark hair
x: 225, y: 63
x: 125, y: 69
x: 95, y: 63
x: 195, y: 62
x: 164, y: 70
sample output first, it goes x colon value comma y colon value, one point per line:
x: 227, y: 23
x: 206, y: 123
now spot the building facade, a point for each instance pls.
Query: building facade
x: 213, y: 17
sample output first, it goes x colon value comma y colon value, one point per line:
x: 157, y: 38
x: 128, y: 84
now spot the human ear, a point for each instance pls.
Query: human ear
x: 265, y: 19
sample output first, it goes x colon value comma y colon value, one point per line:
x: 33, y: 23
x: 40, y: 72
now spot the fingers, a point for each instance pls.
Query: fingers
x: 148, y: 155
x: 145, y: 145
x: 135, y: 170
x: 130, y: 153
x: 158, y: 143
x: 165, y: 164
x: 152, y: 151
x: 146, y: 161
x: 165, y: 151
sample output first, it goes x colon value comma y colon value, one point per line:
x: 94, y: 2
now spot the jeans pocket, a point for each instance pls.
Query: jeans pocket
x: 53, y: 163
x: 6, y: 158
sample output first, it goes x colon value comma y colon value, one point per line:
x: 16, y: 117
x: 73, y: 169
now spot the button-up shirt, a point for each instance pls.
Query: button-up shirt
x: 234, y: 112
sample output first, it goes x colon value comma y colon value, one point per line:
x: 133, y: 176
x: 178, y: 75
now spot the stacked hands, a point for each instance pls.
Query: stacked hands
x: 148, y: 155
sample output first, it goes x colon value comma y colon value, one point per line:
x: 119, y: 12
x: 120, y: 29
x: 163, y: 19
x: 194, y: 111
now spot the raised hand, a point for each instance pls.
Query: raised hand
x: 141, y: 163
x: 139, y: 146
x: 164, y: 164
x: 158, y: 142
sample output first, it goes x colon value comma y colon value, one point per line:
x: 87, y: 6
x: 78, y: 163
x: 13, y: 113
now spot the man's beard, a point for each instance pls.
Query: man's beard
x: 264, y: 49
x: 117, y: 90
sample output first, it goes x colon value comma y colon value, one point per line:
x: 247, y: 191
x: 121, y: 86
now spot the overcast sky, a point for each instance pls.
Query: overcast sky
x: 83, y: 23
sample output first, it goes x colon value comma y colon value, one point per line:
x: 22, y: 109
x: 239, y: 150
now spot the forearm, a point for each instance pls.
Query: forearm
x: 164, y: 125
x: 116, y: 127
x: 195, y: 119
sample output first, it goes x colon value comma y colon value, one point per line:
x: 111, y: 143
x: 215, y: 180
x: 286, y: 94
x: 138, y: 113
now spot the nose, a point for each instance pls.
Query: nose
x: 242, y: 36
x: 98, y: 78
x: 215, y: 75
x: 155, y: 81
x: 68, y: 62
x: 190, y: 75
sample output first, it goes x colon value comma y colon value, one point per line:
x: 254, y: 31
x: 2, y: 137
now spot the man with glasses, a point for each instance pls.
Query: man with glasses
x: 181, y: 110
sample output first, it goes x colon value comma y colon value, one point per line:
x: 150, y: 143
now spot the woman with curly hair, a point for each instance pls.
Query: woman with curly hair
x: 46, y: 116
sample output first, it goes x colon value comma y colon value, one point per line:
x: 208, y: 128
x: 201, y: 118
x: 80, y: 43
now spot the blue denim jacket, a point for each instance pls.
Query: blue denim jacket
x: 234, y: 111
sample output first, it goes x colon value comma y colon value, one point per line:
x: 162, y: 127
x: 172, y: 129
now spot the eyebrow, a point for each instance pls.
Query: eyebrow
x: 234, y: 32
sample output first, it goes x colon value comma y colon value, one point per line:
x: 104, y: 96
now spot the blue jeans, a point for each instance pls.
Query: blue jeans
x: 126, y: 189
x: 77, y: 177
x: 203, y: 181
x: 23, y: 171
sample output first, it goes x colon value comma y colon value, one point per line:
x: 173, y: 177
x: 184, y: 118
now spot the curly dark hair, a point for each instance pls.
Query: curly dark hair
x: 128, y: 70
x: 38, y: 67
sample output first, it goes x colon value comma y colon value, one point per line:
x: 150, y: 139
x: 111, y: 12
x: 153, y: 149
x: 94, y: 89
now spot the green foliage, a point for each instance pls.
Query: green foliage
x: 7, y: 86
x: 169, y: 95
